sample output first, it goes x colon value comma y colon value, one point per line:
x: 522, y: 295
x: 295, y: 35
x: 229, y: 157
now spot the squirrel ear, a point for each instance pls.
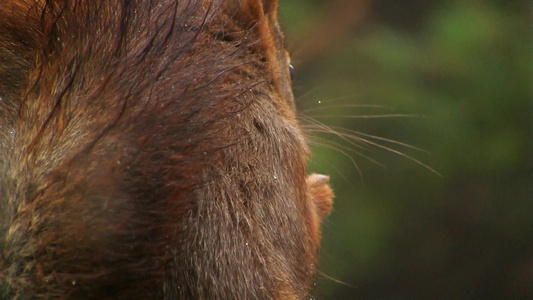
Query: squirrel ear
x: 269, y: 6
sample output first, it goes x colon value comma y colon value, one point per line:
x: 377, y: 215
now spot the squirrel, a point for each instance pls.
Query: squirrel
x: 150, y: 149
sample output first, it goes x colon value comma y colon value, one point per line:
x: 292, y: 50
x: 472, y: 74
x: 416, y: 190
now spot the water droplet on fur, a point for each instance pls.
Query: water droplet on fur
x: 275, y: 176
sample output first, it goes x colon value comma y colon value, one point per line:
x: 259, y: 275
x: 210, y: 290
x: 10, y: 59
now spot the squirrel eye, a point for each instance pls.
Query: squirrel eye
x: 292, y: 72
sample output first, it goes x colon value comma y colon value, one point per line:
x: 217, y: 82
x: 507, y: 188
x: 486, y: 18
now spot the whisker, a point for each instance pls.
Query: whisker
x: 399, y: 153
x: 346, y: 148
x: 336, y: 144
x: 342, y: 175
x: 356, y: 138
x: 345, y: 97
x: 343, y: 153
x: 325, y: 107
x: 382, y: 116
x: 319, y: 128
x: 330, y: 130
x: 312, y: 90
x: 335, y: 280
x: 355, y: 132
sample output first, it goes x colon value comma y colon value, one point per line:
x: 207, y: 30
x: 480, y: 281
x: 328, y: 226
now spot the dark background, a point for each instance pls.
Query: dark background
x: 453, y: 78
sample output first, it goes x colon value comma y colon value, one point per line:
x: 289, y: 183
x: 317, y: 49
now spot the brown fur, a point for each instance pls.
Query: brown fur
x: 150, y: 150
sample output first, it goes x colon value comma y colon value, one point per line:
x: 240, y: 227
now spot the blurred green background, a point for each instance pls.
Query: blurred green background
x: 377, y: 79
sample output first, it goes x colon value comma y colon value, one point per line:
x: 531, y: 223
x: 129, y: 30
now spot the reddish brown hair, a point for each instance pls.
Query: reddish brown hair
x: 150, y: 150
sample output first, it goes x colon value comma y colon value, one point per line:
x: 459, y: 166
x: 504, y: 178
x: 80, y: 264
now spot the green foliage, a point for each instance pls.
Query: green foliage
x: 402, y: 232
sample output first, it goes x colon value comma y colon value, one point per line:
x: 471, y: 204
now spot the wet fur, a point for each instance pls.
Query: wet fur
x: 150, y: 150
